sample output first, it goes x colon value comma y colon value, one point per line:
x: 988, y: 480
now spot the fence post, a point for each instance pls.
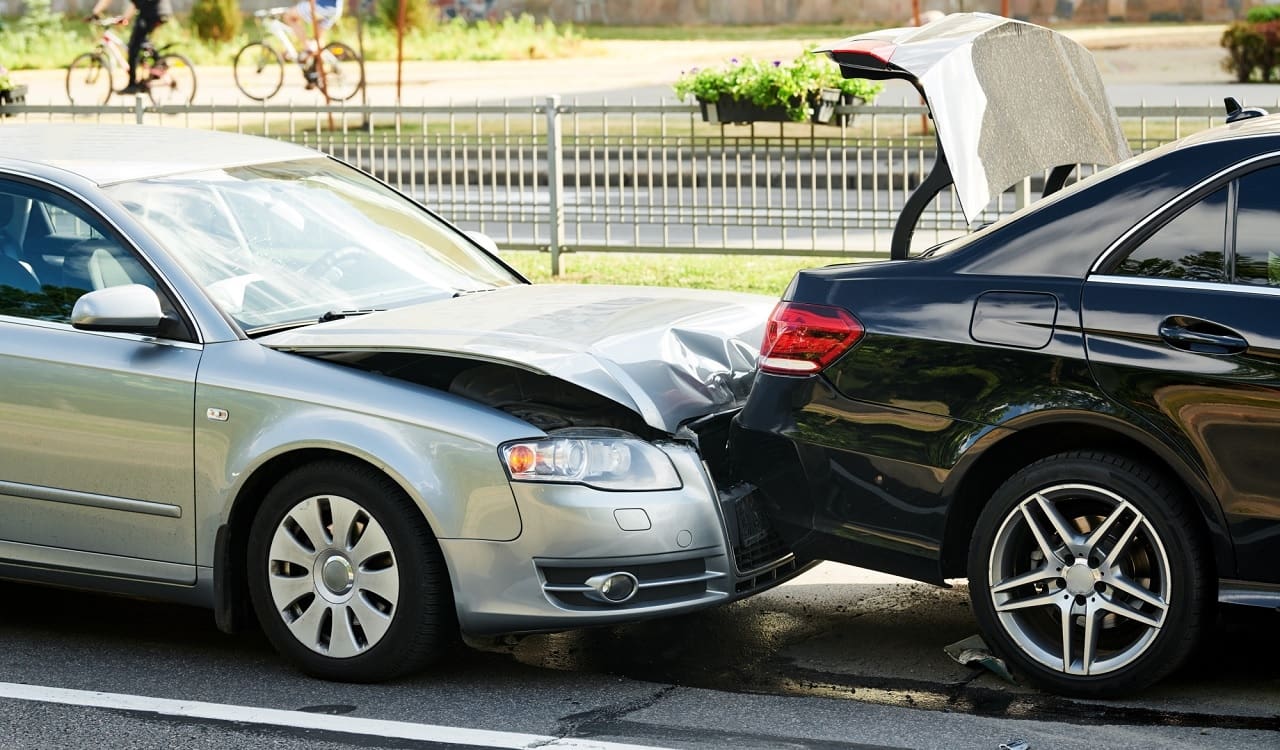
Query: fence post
x: 555, y: 181
x: 1022, y: 193
x: 139, y: 109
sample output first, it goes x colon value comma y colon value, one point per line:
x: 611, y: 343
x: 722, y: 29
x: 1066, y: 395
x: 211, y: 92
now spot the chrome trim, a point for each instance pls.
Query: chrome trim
x: 1160, y: 212
x: 578, y: 588
x: 1249, y: 593
x: 1217, y: 286
x: 71, y: 497
x: 94, y: 563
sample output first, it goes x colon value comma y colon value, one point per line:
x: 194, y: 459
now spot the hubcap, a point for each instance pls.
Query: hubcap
x: 1079, y: 579
x: 338, y: 575
x: 333, y: 576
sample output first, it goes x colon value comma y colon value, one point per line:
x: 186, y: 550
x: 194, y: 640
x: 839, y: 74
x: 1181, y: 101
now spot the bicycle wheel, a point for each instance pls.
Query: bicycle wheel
x: 172, y: 80
x: 258, y: 70
x: 343, y: 71
x: 89, y: 79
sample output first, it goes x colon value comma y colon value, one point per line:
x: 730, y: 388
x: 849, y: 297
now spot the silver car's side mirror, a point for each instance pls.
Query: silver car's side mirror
x: 483, y: 240
x: 129, y: 308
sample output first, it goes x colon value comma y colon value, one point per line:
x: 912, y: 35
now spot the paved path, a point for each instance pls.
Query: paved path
x: 1159, y: 65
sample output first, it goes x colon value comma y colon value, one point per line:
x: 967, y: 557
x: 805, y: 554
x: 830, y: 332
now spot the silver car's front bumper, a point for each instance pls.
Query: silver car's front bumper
x: 688, y: 549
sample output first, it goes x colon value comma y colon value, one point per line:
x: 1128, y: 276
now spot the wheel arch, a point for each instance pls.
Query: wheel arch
x: 232, y: 609
x: 1003, y: 452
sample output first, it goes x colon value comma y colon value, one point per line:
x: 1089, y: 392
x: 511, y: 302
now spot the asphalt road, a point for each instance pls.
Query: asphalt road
x: 837, y: 658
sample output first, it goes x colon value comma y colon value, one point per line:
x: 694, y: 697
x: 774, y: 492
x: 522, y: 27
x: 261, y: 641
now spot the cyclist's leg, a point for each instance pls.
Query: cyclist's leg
x: 296, y: 18
x: 142, y: 25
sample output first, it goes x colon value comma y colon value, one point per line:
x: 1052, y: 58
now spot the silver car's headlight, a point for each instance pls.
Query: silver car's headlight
x: 604, y: 459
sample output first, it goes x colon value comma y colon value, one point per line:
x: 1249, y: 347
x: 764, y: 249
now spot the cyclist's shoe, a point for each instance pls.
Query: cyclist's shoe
x: 133, y: 88
x: 313, y: 77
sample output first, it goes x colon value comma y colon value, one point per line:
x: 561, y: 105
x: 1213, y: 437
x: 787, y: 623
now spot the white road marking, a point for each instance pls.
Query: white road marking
x: 304, y: 720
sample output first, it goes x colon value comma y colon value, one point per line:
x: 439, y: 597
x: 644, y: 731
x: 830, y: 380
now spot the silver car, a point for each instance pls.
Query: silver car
x: 241, y: 374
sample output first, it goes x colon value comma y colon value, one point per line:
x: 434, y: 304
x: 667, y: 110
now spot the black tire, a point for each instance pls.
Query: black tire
x: 405, y: 626
x: 258, y: 71
x: 89, y: 79
x: 343, y: 72
x: 1133, y: 580
x: 172, y: 80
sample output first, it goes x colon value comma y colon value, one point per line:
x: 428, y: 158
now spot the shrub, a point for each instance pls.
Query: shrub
x: 216, y: 20
x: 1263, y: 14
x: 417, y: 14
x: 773, y: 84
x: 1253, y: 50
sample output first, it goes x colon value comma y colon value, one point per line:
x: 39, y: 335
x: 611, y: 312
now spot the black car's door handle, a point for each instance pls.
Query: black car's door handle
x: 1205, y: 337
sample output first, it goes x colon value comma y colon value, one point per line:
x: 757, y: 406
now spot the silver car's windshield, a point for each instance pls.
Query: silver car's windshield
x: 276, y: 244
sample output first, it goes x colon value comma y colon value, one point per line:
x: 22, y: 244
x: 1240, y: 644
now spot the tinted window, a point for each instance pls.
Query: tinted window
x: 1189, y: 247
x: 52, y: 252
x: 1258, y: 229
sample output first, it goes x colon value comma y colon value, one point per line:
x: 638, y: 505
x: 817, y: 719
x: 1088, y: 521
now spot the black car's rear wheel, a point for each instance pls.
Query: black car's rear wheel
x: 1087, y: 573
x: 346, y: 578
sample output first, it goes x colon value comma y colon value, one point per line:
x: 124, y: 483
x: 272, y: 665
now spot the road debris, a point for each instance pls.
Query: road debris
x: 973, y: 651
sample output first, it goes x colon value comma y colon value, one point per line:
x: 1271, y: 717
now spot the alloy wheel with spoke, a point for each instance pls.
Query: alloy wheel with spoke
x: 1082, y: 566
x: 1053, y: 560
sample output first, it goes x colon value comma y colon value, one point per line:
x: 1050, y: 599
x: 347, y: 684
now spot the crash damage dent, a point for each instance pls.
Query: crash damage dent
x: 559, y: 357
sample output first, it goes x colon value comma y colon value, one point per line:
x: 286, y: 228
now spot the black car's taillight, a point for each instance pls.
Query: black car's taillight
x: 802, y: 339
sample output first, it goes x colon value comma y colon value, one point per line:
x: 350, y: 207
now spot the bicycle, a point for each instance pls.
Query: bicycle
x: 169, y: 77
x: 259, y: 65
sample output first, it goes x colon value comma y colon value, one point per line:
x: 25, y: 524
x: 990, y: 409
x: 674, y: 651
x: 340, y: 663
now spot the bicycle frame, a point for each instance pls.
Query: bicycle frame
x: 114, y: 49
x: 273, y: 27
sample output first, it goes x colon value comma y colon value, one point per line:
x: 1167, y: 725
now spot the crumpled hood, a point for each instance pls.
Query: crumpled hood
x: 1009, y: 99
x: 668, y: 354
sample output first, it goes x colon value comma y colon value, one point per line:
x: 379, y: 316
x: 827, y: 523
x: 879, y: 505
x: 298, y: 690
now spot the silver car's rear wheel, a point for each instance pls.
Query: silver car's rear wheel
x: 333, y: 576
x: 1087, y: 573
x: 345, y: 575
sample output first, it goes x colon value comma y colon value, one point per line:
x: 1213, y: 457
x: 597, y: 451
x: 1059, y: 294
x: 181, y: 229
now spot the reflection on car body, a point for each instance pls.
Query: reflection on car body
x: 1075, y: 408
x: 243, y: 375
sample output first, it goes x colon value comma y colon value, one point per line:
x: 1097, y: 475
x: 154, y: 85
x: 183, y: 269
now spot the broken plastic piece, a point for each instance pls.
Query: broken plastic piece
x: 973, y: 651
x: 1015, y: 745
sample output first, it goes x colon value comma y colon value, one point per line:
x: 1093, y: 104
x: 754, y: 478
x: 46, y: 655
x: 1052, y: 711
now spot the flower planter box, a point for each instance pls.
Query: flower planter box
x: 847, y: 100
x: 729, y: 110
x: 14, y: 95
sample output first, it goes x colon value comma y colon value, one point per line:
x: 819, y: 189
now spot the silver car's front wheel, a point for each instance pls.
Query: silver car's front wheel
x: 333, y: 576
x: 1087, y: 573
x: 346, y: 577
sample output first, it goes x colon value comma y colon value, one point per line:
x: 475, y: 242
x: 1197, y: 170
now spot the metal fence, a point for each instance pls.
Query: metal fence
x: 567, y: 176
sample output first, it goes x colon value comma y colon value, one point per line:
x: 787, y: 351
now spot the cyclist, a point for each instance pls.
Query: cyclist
x: 328, y: 12
x: 150, y: 13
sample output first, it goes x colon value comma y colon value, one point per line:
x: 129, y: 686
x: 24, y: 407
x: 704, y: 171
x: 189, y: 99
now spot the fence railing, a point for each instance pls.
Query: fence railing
x: 566, y: 176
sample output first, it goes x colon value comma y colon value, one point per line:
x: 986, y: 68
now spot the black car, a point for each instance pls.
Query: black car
x: 1074, y: 408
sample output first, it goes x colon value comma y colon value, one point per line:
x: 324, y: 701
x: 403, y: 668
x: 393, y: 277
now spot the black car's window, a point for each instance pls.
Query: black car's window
x: 1190, y: 247
x: 1258, y: 229
x: 52, y: 252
